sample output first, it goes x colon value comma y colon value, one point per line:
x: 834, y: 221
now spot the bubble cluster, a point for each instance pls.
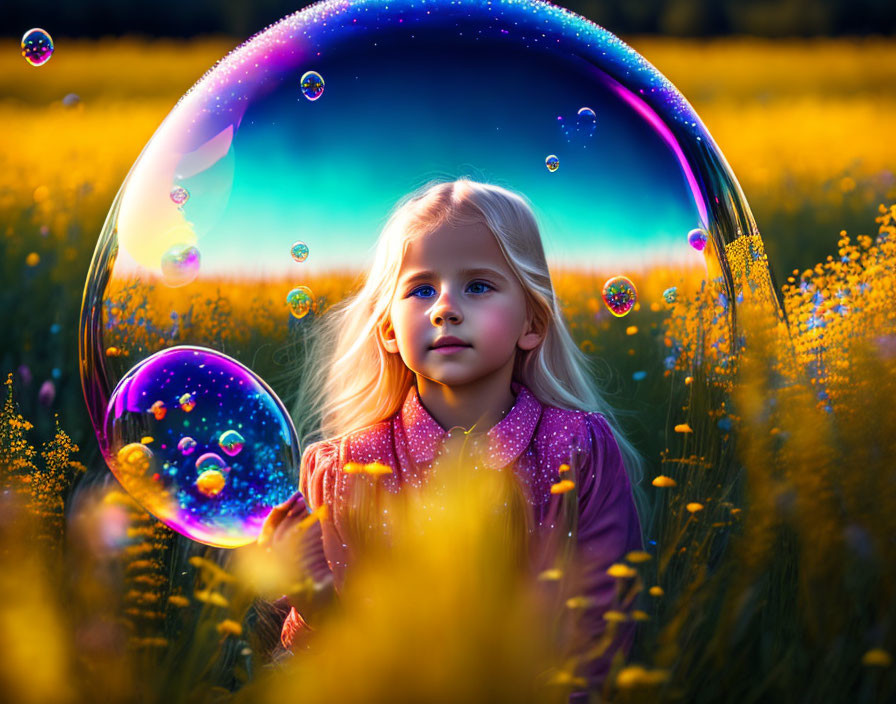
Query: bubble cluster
x: 620, y: 295
x: 312, y: 85
x: 299, y: 301
x: 232, y: 414
x: 299, y: 251
x: 37, y: 46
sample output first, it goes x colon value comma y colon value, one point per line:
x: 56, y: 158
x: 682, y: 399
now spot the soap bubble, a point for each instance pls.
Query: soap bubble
x: 180, y: 265
x: 552, y: 162
x: 186, y: 445
x: 71, y: 100
x: 670, y: 295
x: 239, y: 415
x: 697, y: 238
x: 262, y: 162
x: 179, y: 195
x: 187, y: 402
x: 299, y: 251
x: 231, y: 442
x: 299, y: 301
x: 312, y: 85
x: 37, y: 46
x: 620, y: 295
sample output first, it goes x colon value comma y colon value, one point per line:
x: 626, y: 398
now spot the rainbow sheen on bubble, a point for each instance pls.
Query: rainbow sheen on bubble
x: 299, y: 251
x: 186, y: 445
x: 312, y: 84
x: 670, y: 295
x: 214, y: 497
x: 299, y: 301
x: 620, y: 295
x: 37, y: 46
x: 697, y: 238
x: 180, y: 265
x: 231, y: 442
x: 179, y: 195
x: 552, y: 162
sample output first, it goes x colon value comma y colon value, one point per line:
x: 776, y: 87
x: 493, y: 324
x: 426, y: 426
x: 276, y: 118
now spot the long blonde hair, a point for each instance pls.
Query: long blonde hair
x: 364, y: 384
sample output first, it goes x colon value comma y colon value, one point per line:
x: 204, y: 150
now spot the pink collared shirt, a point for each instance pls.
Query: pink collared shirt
x: 534, y: 440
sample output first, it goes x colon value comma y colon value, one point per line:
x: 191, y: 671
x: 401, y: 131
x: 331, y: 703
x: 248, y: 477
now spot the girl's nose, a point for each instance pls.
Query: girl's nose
x: 445, y: 310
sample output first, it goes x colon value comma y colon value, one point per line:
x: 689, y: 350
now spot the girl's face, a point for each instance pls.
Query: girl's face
x: 455, y: 281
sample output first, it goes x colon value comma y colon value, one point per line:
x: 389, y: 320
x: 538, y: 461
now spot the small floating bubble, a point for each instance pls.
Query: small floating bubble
x: 179, y: 195
x: 187, y: 402
x: 231, y: 442
x: 187, y: 445
x: 37, y: 46
x: 211, y: 482
x: 180, y: 265
x: 299, y: 301
x: 697, y: 238
x: 312, y: 84
x: 620, y: 295
x: 670, y: 295
x: 158, y: 409
x: 552, y: 162
x: 299, y: 251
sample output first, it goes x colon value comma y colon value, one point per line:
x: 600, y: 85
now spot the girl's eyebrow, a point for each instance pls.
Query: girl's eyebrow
x: 478, y: 271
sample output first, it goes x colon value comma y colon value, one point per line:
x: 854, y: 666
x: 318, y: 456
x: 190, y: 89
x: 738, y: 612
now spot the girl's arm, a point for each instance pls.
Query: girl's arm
x: 608, y: 528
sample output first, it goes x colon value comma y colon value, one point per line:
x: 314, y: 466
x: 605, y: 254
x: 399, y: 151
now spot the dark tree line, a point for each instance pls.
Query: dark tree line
x: 241, y: 18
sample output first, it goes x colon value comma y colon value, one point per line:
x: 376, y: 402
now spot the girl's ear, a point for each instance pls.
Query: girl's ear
x: 386, y: 333
x: 531, y: 338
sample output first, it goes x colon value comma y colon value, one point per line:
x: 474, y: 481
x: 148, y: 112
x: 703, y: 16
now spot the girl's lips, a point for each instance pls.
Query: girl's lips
x: 449, y: 349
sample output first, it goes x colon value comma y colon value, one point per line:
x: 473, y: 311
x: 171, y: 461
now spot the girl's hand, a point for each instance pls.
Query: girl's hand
x: 281, y: 521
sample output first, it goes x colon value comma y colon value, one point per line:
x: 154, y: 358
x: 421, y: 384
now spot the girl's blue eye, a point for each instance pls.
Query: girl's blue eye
x: 422, y: 288
x: 480, y: 283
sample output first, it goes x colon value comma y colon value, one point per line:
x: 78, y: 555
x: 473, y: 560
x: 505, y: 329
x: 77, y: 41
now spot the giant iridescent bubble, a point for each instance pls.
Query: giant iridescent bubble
x: 496, y: 91
x: 211, y: 470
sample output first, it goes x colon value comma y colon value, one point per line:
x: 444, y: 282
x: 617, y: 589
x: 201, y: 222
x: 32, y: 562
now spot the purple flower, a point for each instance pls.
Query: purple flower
x: 25, y: 374
x: 47, y: 393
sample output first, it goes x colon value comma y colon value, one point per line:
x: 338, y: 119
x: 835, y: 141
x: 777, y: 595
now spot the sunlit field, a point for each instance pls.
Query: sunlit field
x: 769, y: 496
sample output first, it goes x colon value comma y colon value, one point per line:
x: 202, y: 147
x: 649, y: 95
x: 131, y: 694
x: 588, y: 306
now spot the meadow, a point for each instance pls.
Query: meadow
x: 769, y: 571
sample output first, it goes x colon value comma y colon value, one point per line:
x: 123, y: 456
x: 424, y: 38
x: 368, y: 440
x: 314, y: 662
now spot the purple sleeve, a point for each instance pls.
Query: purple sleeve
x: 608, y: 528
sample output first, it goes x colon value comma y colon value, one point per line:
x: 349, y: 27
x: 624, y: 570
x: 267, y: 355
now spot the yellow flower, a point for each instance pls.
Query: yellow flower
x: 33, y: 259
x: 228, y: 627
x: 877, y: 657
x: 656, y: 591
x: 562, y: 486
x: 688, y: 380
x: 735, y: 511
x: 563, y: 468
x: 664, y: 481
x: 615, y: 616
x: 177, y: 600
x: 213, y: 598
x: 567, y: 678
x: 683, y: 428
x: 638, y: 615
x: 631, y: 330
x: 147, y: 439
x: 693, y: 507
x: 638, y: 556
x: 621, y: 571
x: 550, y: 575
x: 578, y: 602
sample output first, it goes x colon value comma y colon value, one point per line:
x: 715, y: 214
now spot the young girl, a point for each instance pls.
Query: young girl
x: 456, y: 328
